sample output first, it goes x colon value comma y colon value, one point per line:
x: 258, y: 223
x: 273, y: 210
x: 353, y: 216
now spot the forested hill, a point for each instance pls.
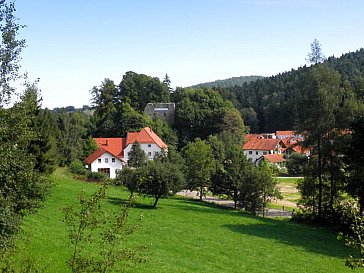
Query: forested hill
x: 272, y: 103
x: 235, y: 81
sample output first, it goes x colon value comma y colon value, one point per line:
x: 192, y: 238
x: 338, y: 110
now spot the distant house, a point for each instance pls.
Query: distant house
x: 113, y: 153
x: 272, y: 159
x: 255, y: 148
x: 164, y: 111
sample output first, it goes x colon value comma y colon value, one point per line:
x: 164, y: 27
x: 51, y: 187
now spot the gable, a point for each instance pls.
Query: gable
x: 145, y: 136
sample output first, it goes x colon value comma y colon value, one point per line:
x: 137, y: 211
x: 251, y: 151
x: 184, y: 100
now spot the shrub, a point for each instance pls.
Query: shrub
x: 77, y: 167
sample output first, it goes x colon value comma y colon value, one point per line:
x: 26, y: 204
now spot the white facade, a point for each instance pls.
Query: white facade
x: 151, y: 150
x: 253, y: 155
x: 106, y: 163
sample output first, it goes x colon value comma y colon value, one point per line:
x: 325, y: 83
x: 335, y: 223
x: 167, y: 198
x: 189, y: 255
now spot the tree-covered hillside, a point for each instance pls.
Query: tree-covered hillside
x: 234, y: 81
x: 273, y: 103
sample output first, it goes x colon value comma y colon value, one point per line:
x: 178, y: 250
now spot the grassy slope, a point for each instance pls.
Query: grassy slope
x: 188, y: 236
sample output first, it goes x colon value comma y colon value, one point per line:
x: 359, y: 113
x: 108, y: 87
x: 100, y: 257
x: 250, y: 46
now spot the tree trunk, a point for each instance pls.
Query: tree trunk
x: 319, y: 176
x: 201, y: 193
x: 332, y: 186
x: 156, y: 201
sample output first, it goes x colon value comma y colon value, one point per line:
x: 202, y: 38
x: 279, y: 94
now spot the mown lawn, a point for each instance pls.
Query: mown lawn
x: 184, y: 235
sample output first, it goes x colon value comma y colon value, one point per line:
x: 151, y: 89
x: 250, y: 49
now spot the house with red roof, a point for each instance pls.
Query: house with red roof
x: 272, y: 159
x: 255, y: 148
x: 113, y: 153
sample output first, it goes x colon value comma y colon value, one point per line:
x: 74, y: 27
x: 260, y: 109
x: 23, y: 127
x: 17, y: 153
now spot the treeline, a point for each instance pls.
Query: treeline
x: 273, y: 103
x: 231, y: 82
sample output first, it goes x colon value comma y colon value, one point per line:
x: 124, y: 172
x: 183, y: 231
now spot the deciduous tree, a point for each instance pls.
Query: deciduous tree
x: 200, y: 165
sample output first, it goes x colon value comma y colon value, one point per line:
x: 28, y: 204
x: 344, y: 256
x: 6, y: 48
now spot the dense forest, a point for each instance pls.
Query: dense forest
x: 273, y: 103
x: 231, y: 82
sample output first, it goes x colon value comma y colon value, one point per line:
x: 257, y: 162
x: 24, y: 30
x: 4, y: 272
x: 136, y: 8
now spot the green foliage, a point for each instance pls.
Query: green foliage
x: 157, y: 178
x: 11, y: 48
x: 203, y: 112
x: 230, y: 164
x: 22, y: 185
x: 96, y: 176
x: 257, y: 189
x: 296, y: 164
x: 139, y: 89
x: 91, y: 228
x: 161, y: 179
x: 354, y: 239
x: 73, y: 133
x: 231, y: 82
x: 315, y: 56
x: 127, y: 119
x: 354, y: 158
x: 77, y: 167
x: 136, y: 156
x: 164, y: 131
x: 130, y: 177
x: 270, y: 104
x: 200, y: 165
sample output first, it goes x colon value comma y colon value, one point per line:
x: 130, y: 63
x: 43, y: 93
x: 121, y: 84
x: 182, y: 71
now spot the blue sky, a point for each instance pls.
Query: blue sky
x: 74, y: 45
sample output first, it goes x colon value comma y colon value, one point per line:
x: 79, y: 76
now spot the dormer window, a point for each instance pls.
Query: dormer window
x: 99, y: 160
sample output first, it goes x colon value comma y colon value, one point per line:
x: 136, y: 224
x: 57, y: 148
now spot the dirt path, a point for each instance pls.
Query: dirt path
x: 229, y: 203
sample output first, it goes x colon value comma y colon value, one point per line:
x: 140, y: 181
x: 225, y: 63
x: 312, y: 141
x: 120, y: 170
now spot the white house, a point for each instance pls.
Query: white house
x: 113, y: 153
x: 255, y: 148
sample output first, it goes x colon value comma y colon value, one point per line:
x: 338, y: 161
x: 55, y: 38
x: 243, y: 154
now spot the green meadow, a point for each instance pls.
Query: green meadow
x: 183, y: 235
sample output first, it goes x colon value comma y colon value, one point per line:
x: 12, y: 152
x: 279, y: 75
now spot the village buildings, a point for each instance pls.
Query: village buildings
x: 113, y: 153
x: 273, y: 147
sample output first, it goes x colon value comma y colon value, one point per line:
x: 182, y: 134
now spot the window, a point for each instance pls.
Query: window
x: 256, y: 153
x: 149, y: 145
x: 250, y: 152
x: 99, y: 160
x: 113, y: 159
x: 264, y: 153
x: 106, y: 160
x: 149, y: 153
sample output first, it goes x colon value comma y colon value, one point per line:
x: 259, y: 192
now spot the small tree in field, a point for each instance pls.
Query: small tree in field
x: 200, y: 164
x: 90, y: 228
x: 161, y: 179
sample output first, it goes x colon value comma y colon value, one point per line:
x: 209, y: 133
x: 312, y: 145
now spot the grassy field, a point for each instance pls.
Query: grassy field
x: 188, y: 236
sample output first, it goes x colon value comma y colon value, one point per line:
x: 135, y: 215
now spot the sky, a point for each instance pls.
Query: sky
x: 73, y: 45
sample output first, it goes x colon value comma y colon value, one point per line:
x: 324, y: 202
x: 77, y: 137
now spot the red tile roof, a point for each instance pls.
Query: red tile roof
x: 249, y: 137
x: 146, y: 136
x: 262, y: 144
x: 285, y: 133
x: 95, y: 155
x: 114, y: 146
x: 274, y: 158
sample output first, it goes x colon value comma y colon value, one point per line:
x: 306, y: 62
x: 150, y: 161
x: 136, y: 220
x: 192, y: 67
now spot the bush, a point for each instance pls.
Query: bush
x: 77, y: 167
x: 96, y: 176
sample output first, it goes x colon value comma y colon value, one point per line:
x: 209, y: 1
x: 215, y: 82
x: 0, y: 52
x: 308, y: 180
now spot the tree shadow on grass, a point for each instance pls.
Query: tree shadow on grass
x: 120, y: 201
x: 312, y: 239
x: 190, y: 204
